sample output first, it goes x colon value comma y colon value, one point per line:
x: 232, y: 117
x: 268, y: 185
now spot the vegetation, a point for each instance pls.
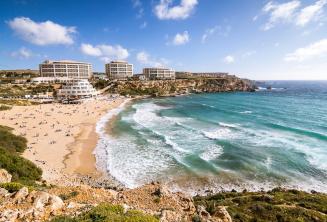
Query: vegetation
x: 17, y: 102
x: 139, y: 92
x: 276, y: 205
x: 68, y: 196
x: 4, y: 107
x: 19, y: 91
x: 12, y: 186
x: 100, y: 84
x: 108, y: 213
x: 22, y: 170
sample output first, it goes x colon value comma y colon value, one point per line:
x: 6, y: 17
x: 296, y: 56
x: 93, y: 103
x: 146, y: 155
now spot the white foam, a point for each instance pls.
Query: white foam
x: 100, y: 150
x: 246, y: 112
x: 221, y: 133
x: 212, y: 152
x: 228, y: 125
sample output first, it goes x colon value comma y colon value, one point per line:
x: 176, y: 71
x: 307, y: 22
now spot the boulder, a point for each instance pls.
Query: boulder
x: 170, y: 216
x: 41, y: 199
x: 222, y: 214
x: 21, y: 195
x: 204, y: 215
x: 8, y: 215
x: 126, y: 208
x: 3, y: 192
x: 5, y: 177
x: 55, y: 203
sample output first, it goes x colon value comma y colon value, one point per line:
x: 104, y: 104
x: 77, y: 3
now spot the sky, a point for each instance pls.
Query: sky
x: 260, y: 40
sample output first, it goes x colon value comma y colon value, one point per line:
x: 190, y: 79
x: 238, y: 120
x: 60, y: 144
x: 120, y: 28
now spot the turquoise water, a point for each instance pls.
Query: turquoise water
x: 224, y: 140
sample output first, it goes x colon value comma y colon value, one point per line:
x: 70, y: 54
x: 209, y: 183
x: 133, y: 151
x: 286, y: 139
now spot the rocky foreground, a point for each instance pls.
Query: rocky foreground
x: 46, y: 203
x: 181, y: 86
x: 153, y: 202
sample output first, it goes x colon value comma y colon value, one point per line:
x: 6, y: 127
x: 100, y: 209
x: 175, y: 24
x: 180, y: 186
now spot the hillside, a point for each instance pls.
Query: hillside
x: 180, y: 86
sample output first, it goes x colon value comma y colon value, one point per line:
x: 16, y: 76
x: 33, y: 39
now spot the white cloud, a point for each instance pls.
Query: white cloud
x: 291, y: 12
x: 105, y: 52
x: 229, y: 59
x: 222, y: 31
x: 164, y: 10
x: 139, y: 6
x: 143, y: 25
x: 22, y: 53
x: 88, y: 49
x: 314, y: 50
x: 42, y: 33
x: 310, y: 13
x: 283, y: 12
x: 181, y: 38
x: 145, y: 59
x: 249, y: 53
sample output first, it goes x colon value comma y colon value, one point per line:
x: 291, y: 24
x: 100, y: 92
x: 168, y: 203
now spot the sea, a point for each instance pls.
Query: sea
x: 274, y: 137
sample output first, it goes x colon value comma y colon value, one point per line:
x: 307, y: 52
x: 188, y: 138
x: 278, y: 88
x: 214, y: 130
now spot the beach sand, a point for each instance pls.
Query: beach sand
x: 61, y: 138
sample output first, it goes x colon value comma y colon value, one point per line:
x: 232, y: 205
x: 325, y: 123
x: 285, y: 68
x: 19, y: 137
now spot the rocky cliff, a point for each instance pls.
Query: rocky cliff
x: 180, y: 86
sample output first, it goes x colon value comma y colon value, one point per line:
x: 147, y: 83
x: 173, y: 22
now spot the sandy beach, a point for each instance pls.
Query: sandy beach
x: 61, y: 138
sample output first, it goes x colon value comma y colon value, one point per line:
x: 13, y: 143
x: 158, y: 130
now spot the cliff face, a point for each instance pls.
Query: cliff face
x: 181, y: 86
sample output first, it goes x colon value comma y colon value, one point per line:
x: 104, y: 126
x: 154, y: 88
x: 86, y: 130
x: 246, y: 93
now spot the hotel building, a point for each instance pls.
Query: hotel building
x: 77, y: 88
x: 66, y: 68
x: 120, y: 70
x: 158, y: 73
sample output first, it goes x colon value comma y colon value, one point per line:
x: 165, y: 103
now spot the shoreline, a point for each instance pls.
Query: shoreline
x: 61, y: 138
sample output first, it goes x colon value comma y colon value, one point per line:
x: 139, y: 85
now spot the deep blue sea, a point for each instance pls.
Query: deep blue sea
x: 223, y: 141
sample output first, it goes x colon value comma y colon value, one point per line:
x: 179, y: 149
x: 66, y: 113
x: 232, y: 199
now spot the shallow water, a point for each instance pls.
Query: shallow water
x: 222, y: 141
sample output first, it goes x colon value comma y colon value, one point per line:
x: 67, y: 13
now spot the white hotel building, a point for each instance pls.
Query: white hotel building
x: 120, y: 70
x: 77, y: 88
x: 66, y: 69
x: 158, y: 73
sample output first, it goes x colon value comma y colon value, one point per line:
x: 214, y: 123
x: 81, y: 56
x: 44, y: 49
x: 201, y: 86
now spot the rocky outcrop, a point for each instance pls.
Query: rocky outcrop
x: 33, y: 206
x: 181, y: 86
x: 5, y: 177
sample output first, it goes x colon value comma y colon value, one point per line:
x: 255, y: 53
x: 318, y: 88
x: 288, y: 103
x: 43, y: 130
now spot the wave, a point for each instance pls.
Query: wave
x: 246, y: 112
x: 221, y: 133
x: 229, y: 125
x: 100, y: 150
x: 212, y: 153
x: 298, y: 131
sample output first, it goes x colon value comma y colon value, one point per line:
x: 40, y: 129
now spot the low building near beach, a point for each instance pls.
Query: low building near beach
x: 76, y: 89
x: 51, y: 80
x: 119, y: 70
x: 66, y: 68
x: 158, y: 73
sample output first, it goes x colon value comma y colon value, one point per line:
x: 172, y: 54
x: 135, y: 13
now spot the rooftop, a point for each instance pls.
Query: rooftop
x: 63, y: 61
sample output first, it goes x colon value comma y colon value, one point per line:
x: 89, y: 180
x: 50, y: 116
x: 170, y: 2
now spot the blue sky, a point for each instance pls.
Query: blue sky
x: 253, y: 39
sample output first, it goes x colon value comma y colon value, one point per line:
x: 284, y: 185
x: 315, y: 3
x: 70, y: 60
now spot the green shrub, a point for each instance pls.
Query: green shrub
x: 276, y: 205
x: 12, y: 187
x: 21, y: 169
x: 3, y: 107
x: 108, y: 213
x: 68, y: 196
x: 10, y: 141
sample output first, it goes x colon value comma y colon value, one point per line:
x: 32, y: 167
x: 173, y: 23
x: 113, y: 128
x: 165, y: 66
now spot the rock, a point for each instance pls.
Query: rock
x: 41, y: 199
x: 21, y: 195
x: 3, y: 192
x: 113, y: 193
x: 5, y: 177
x: 55, y: 203
x: 74, y: 205
x: 8, y: 216
x: 126, y: 208
x: 204, y: 215
x: 170, y: 216
x: 222, y: 214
